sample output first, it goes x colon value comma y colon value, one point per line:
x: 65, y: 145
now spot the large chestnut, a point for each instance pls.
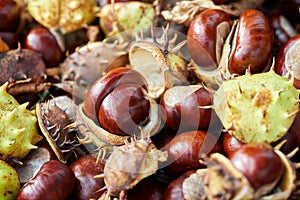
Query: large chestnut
x: 253, y: 43
x: 118, y: 101
x: 41, y: 40
x: 186, y: 149
x: 85, y: 169
x: 288, y: 59
x: 206, y: 36
x: 9, y: 15
x: 182, y: 107
x: 54, y: 181
x: 260, y: 164
x: 124, y: 110
x: 105, y: 85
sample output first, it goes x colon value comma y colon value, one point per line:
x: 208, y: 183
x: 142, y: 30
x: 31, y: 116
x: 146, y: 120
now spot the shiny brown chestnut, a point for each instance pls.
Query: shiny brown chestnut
x: 288, y: 59
x: 230, y: 144
x: 174, y: 189
x: 182, y: 107
x: 9, y: 15
x: 253, y: 44
x: 282, y: 28
x: 120, y: 101
x: 85, y: 169
x: 186, y: 149
x: 149, y: 188
x: 105, y: 85
x: 11, y: 39
x: 41, y: 40
x: 123, y: 109
x: 261, y: 165
x: 206, y: 36
x: 54, y: 181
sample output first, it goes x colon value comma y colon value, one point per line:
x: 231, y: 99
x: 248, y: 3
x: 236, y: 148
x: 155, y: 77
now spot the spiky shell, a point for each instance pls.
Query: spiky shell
x: 10, y: 183
x: 64, y: 15
x: 257, y: 108
x: 18, y: 127
x: 87, y: 63
x: 125, y: 16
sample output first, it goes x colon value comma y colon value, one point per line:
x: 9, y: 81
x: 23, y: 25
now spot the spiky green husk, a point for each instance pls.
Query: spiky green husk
x: 259, y: 107
x: 9, y: 182
x: 18, y: 127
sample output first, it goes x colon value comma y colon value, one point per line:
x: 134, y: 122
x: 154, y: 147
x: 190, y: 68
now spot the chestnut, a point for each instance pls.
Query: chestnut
x: 174, y: 189
x: 253, y: 43
x: 230, y: 143
x: 186, y: 149
x: 282, y: 28
x: 124, y: 110
x: 149, y: 188
x: 105, y: 85
x: 206, y: 35
x: 11, y: 39
x: 182, y: 107
x: 260, y: 164
x: 85, y: 169
x: 41, y: 40
x: 287, y: 59
x: 10, y: 13
x: 55, y: 180
x: 292, y: 139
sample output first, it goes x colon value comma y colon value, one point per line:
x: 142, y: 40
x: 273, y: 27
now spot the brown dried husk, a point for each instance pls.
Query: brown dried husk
x: 152, y: 62
x: 131, y: 163
x: 56, y: 126
x: 83, y: 67
x: 185, y: 11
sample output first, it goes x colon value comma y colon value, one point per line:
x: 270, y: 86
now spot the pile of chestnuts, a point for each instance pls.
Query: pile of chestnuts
x: 149, y: 99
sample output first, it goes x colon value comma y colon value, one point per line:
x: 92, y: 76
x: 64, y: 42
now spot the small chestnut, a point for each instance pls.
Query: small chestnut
x: 10, y: 13
x: 174, y: 189
x: 182, y: 107
x: 230, y: 144
x: 54, y: 181
x: 261, y: 165
x: 186, y: 149
x: 85, y: 169
x: 41, y: 40
x: 288, y: 59
x: 149, y: 188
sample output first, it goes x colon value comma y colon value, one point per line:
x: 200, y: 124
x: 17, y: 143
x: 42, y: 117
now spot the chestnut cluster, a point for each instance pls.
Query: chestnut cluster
x: 118, y: 139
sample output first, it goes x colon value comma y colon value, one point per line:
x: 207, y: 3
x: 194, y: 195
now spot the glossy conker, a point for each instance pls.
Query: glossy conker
x: 186, y: 149
x: 105, y: 85
x: 260, y: 164
x: 41, y: 40
x: 174, y: 189
x: 230, y: 143
x: 206, y: 35
x: 253, y: 43
x: 9, y: 15
x: 85, y: 169
x: 54, y: 181
x: 149, y: 188
x: 182, y: 107
x: 288, y: 59
x: 124, y: 110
